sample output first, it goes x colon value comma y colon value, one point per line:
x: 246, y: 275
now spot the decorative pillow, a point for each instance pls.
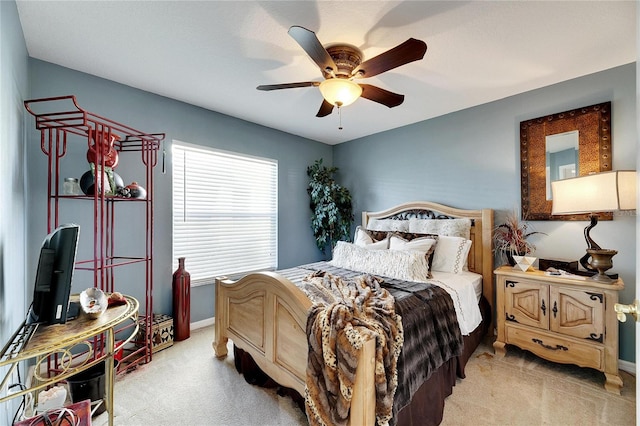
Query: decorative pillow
x: 363, y: 239
x: 413, y: 235
x: 388, y: 225
x: 407, y: 265
x: 377, y: 235
x: 447, y: 227
x: 451, y: 254
x: 381, y: 235
x: 425, y: 244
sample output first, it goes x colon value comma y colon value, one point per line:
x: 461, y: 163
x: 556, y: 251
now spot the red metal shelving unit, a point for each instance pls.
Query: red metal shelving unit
x: 61, y: 120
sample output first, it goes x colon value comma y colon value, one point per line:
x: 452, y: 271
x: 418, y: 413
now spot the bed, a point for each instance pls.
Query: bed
x: 265, y: 316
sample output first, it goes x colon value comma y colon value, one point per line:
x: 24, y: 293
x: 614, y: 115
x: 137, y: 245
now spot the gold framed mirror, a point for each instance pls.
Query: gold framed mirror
x: 559, y: 146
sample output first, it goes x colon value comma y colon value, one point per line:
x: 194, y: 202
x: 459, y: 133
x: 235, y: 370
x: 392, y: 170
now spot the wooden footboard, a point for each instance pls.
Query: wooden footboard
x: 265, y: 315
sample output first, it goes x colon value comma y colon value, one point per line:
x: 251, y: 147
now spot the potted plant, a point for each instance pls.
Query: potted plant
x: 332, y: 214
x: 511, y: 238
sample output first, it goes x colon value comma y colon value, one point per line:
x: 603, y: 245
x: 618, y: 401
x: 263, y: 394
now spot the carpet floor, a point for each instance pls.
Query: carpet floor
x: 187, y: 385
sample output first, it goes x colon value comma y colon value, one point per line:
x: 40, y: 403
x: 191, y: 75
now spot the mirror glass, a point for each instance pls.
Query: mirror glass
x: 561, y: 151
x: 558, y: 146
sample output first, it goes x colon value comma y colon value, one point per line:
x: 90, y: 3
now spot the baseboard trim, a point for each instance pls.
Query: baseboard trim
x: 201, y: 324
x: 629, y: 367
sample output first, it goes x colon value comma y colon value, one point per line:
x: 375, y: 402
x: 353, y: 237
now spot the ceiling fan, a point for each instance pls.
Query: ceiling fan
x: 341, y: 64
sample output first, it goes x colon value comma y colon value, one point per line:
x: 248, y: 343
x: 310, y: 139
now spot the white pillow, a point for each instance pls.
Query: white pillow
x: 451, y: 254
x: 388, y: 225
x: 407, y: 265
x: 447, y: 227
x: 424, y: 244
x: 362, y: 239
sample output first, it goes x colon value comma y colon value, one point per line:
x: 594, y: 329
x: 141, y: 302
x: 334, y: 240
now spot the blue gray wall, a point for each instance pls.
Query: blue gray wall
x: 470, y: 159
x: 183, y: 122
x: 13, y: 89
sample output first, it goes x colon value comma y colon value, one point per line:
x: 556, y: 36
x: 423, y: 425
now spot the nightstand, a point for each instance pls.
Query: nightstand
x: 561, y: 319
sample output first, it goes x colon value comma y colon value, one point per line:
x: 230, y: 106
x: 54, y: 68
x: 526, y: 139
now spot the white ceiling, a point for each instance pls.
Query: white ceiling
x: 213, y: 54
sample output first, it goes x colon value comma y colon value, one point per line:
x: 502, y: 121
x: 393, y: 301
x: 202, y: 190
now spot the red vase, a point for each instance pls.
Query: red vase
x: 181, y: 302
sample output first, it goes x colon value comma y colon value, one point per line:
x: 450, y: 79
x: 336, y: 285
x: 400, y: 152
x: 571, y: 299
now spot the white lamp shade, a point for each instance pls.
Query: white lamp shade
x: 339, y: 91
x: 600, y: 192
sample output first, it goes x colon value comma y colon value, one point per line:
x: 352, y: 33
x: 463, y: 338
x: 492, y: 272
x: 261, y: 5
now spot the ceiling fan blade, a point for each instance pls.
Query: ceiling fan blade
x: 381, y: 96
x: 409, y: 51
x: 311, y: 45
x: 287, y: 85
x: 325, y: 109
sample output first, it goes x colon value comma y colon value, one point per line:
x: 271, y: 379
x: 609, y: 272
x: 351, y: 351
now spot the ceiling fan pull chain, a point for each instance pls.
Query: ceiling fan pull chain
x: 339, y: 118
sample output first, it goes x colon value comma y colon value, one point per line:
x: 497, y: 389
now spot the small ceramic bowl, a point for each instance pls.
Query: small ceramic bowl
x: 94, y: 302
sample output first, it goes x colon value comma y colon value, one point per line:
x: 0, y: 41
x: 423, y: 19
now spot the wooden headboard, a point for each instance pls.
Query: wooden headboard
x: 481, y: 253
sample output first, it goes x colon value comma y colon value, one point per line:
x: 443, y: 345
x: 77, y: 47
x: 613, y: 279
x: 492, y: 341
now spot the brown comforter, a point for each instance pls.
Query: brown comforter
x: 431, y: 332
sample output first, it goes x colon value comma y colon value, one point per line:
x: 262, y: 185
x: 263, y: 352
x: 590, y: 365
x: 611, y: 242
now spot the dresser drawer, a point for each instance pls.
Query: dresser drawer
x: 556, y: 349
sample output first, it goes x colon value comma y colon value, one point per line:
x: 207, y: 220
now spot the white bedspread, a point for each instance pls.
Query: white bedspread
x: 463, y: 290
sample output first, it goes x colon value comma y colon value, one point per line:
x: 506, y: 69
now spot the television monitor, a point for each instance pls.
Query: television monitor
x: 54, y: 276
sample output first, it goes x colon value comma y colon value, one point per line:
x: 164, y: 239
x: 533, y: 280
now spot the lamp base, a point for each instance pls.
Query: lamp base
x: 601, y: 260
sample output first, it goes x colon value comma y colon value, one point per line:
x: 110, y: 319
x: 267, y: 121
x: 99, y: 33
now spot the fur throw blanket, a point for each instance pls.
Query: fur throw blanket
x: 345, y: 314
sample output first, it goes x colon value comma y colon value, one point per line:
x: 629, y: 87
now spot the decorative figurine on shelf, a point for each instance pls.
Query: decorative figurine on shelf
x: 123, y: 192
x: 136, y: 191
x: 181, y: 302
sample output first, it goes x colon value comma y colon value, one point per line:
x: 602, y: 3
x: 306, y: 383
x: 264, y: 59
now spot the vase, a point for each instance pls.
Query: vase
x: 110, y: 157
x: 87, y: 182
x: 181, y: 302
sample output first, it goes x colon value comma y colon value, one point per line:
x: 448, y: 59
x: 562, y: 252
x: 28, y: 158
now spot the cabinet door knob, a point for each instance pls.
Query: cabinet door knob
x: 621, y: 310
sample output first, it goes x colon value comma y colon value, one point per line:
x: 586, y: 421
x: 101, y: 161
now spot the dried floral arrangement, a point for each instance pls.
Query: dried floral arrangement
x: 510, y: 238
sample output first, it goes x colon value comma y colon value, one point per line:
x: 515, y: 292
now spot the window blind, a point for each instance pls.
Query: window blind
x: 224, y: 212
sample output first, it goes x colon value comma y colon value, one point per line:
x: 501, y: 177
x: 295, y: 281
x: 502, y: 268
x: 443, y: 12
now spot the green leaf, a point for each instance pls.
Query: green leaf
x: 330, y: 204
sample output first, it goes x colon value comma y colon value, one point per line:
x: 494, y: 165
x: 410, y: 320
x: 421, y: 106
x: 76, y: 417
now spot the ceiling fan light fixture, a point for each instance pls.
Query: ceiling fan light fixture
x: 339, y: 91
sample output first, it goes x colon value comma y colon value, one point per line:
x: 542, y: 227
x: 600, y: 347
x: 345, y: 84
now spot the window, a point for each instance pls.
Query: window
x: 225, y: 206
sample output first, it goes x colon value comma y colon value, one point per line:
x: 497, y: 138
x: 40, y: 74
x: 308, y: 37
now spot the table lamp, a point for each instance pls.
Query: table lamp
x: 598, y: 192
